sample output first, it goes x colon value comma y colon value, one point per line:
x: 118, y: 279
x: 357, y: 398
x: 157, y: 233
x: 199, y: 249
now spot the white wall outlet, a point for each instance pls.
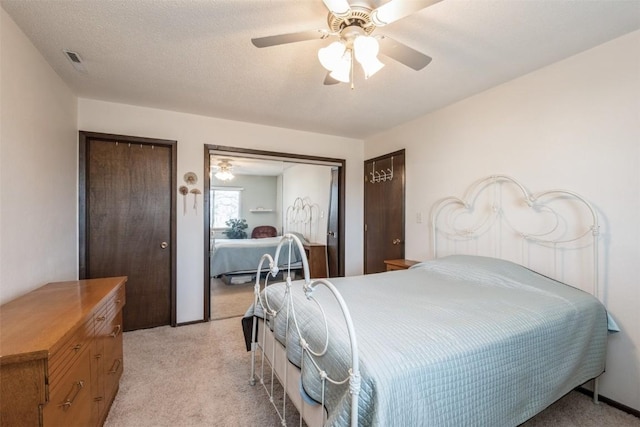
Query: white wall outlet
x: 419, y: 218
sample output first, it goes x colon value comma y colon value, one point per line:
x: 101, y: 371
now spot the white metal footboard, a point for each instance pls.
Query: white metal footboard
x: 274, y: 361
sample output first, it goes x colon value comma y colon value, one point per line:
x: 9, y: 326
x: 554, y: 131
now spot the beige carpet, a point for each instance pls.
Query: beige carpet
x: 230, y: 300
x: 197, y: 375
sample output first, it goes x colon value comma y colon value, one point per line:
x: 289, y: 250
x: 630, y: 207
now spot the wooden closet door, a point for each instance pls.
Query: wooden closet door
x: 383, y: 211
x: 130, y: 222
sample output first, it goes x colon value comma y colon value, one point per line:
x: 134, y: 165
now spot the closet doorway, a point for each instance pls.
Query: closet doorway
x: 328, y: 225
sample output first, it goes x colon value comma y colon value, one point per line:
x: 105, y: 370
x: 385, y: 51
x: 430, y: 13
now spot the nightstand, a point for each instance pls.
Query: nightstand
x: 399, y: 264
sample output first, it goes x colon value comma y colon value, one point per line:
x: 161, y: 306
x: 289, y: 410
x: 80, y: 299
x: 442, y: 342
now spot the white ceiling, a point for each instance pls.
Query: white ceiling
x: 251, y: 166
x: 196, y: 56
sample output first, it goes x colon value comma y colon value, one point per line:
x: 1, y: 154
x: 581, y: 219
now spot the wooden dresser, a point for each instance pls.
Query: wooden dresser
x: 61, y: 355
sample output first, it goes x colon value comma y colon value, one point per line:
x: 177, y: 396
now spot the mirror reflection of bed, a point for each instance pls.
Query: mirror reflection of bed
x: 274, y: 197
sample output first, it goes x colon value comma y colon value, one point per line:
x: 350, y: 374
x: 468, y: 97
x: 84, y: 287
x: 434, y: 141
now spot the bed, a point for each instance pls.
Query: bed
x: 463, y: 339
x: 241, y: 256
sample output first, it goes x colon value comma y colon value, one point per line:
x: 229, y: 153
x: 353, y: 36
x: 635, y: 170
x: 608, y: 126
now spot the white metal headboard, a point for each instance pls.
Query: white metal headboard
x: 302, y: 217
x: 554, y: 232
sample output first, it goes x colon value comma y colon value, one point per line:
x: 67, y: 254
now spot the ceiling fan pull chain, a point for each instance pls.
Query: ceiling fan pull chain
x: 351, y: 77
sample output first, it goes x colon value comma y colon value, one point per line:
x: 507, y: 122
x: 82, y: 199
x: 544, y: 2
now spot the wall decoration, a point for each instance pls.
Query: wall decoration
x: 190, y: 178
x: 184, y: 191
x: 195, y: 193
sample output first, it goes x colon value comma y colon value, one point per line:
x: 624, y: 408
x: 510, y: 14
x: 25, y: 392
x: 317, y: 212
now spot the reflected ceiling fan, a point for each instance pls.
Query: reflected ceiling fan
x: 353, y: 22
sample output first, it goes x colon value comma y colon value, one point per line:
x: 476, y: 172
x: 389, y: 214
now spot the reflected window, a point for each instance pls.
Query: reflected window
x: 225, y: 205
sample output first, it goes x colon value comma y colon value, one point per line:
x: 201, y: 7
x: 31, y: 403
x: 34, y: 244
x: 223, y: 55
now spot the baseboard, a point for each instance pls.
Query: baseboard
x: 191, y: 322
x: 610, y: 402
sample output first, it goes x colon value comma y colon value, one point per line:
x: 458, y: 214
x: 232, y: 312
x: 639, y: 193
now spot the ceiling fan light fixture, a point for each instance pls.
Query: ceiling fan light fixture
x: 331, y: 55
x: 224, y: 171
x: 371, y: 67
x: 342, y: 72
x: 366, y: 50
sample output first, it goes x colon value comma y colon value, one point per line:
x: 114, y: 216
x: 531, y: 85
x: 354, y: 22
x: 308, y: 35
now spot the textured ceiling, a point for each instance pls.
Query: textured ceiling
x: 196, y: 56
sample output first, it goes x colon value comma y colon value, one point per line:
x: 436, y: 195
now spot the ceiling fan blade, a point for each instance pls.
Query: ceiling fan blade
x: 403, y: 53
x: 328, y: 80
x: 289, y: 38
x: 398, y: 9
x: 339, y: 8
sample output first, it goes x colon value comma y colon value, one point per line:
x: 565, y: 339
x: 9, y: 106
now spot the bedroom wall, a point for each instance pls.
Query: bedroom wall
x: 38, y: 169
x: 574, y: 125
x: 314, y: 182
x: 192, y: 133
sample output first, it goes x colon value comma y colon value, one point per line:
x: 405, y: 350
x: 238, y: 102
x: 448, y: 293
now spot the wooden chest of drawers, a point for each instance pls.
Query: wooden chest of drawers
x: 61, y: 353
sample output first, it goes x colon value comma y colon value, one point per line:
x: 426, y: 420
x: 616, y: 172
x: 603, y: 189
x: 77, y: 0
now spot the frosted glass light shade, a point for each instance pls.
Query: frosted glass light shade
x: 342, y: 72
x: 331, y: 55
x: 365, y: 48
x: 371, y: 67
x: 224, y: 175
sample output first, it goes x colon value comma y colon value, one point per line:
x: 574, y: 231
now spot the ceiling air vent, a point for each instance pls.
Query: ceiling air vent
x: 75, y: 60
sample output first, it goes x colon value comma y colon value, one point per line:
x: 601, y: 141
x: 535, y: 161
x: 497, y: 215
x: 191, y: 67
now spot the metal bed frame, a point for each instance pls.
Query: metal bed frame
x: 302, y: 217
x: 275, y: 355
x: 476, y: 223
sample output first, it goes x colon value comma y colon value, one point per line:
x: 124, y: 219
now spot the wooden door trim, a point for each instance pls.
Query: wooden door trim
x: 84, y: 138
x: 301, y: 158
x: 386, y: 156
x: 404, y: 189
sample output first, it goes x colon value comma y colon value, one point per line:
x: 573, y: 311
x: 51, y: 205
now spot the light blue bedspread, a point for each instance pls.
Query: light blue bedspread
x: 460, y: 341
x: 243, y: 255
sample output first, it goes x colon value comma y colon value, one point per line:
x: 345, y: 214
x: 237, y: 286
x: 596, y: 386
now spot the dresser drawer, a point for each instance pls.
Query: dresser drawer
x: 70, y: 403
x: 113, y: 356
x: 63, y: 355
x: 110, y: 308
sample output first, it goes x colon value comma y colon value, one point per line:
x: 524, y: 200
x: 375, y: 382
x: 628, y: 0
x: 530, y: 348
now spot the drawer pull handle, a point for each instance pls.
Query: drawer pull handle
x: 116, y: 331
x: 76, y: 347
x: 68, y: 401
x: 116, y: 366
x: 101, y: 318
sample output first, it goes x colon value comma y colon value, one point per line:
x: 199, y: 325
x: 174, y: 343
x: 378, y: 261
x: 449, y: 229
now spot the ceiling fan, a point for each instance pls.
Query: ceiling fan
x: 352, y: 22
